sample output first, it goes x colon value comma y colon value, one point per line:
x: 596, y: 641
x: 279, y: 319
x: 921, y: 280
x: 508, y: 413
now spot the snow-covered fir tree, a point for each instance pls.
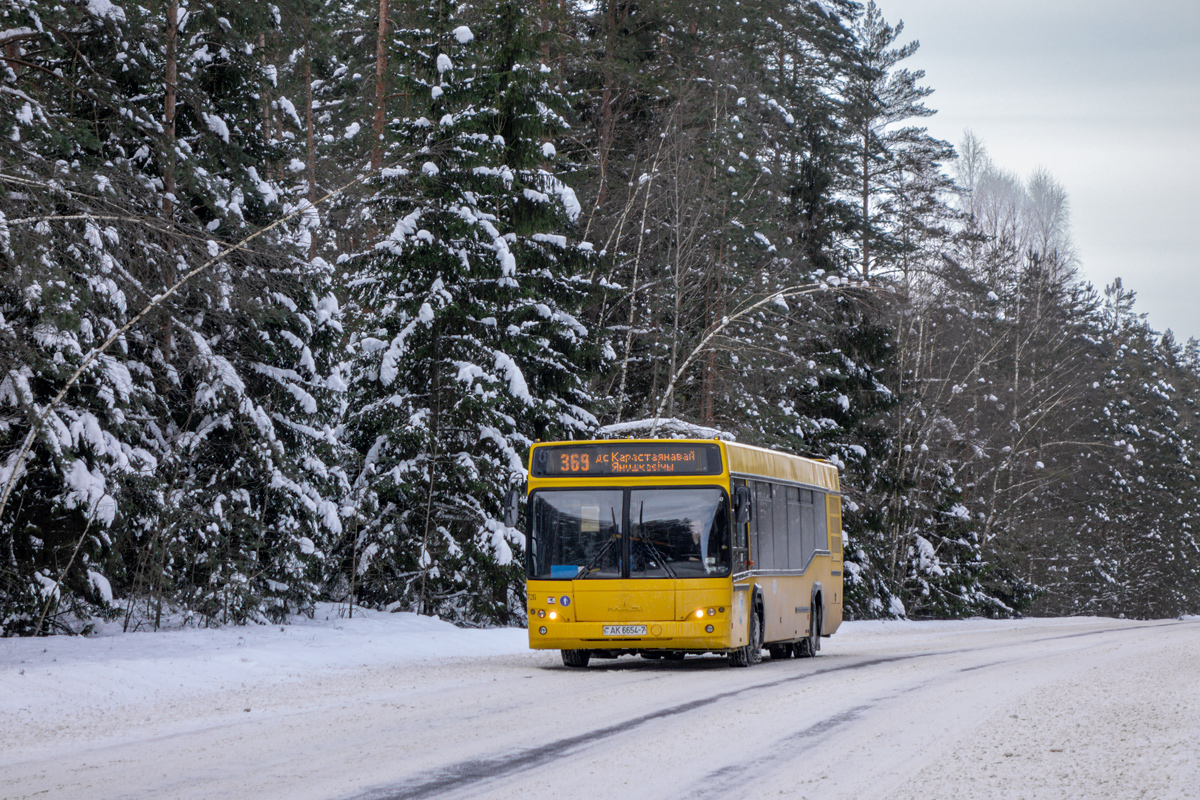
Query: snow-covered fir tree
x: 467, y: 342
x: 194, y: 477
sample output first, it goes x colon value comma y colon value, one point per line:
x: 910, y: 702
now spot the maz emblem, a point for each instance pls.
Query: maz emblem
x: 624, y: 606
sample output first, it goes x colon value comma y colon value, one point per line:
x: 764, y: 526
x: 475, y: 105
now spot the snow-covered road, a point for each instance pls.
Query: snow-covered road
x: 396, y: 707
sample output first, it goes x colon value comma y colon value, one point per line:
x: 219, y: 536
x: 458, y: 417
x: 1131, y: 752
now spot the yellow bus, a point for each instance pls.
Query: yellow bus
x: 668, y: 547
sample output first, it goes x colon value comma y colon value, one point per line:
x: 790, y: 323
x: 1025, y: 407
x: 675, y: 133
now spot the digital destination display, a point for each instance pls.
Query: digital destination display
x: 621, y: 458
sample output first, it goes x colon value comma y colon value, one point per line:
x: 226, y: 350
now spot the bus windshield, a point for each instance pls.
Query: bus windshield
x: 630, y: 533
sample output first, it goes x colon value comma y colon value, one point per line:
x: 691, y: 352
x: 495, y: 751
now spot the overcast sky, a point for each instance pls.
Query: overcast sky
x: 1104, y: 94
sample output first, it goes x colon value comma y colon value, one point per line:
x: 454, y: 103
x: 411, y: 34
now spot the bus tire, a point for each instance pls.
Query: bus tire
x: 809, y: 645
x: 575, y: 658
x: 756, y: 637
x: 751, y: 652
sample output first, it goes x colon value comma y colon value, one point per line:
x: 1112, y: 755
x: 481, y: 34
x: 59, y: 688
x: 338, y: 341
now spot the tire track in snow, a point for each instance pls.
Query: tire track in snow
x: 466, y: 774
x: 472, y: 773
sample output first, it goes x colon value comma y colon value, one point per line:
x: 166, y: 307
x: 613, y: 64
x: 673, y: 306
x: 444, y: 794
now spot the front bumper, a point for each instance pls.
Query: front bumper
x: 685, y: 635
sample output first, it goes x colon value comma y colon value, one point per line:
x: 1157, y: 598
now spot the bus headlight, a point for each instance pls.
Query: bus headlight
x: 542, y: 630
x: 708, y: 628
x: 553, y: 615
x: 699, y: 613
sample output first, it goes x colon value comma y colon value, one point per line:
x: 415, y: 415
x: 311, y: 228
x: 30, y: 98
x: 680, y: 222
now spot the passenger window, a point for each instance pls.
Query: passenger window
x: 780, y: 527
x: 796, y: 559
x: 763, y: 552
x: 822, y: 521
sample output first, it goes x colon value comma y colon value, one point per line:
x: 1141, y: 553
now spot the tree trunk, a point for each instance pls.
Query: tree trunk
x: 171, y: 80
x: 381, y: 64
x: 310, y: 140
x: 866, y: 206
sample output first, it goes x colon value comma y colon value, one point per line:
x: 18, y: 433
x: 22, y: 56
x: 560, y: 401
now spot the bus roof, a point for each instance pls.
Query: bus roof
x: 748, y: 461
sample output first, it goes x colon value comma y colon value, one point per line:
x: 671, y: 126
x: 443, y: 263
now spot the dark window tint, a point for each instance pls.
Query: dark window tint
x: 796, y: 554
x: 779, y: 506
x: 763, y: 550
x: 576, y: 534
x: 678, y: 533
x: 822, y: 520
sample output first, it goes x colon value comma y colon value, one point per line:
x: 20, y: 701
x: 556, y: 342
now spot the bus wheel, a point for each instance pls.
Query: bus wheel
x: 808, y: 646
x: 756, y: 638
x: 751, y: 653
x: 575, y: 658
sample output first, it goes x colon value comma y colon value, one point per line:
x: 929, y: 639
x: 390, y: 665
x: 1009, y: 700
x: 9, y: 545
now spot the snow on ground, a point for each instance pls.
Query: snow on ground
x: 391, y: 706
x: 111, y: 668
x: 62, y: 673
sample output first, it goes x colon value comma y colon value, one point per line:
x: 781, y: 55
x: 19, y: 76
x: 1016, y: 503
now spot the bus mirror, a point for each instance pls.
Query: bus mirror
x: 511, y: 498
x: 742, y: 505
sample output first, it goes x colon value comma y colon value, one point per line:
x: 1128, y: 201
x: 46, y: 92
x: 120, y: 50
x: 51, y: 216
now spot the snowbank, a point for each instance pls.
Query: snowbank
x: 114, y: 668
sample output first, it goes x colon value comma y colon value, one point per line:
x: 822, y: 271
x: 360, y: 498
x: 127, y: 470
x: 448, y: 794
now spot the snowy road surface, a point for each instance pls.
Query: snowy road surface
x: 392, y: 706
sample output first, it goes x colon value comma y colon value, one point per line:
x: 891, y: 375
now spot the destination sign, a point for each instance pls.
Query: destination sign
x: 658, y: 458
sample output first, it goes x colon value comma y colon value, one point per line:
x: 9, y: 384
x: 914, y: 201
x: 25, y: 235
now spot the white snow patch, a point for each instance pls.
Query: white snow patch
x: 216, y: 125
x: 668, y: 428
x: 105, y: 10
x: 516, y: 380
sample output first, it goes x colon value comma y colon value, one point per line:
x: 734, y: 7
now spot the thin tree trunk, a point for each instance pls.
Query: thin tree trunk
x: 434, y: 435
x: 310, y: 140
x: 381, y: 64
x: 607, y: 103
x: 866, y: 208
x: 171, y: 80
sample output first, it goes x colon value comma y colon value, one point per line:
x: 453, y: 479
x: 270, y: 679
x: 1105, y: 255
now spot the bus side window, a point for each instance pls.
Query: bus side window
x: 780, y: 531
x: 762, y: 552
x: 820, y: 507
x: 796, y: 559
x: 741, y: 532
x: 808, y: 523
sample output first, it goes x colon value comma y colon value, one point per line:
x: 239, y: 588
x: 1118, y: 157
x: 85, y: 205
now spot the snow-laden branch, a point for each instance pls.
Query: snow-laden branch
x: 303, y: 208
x: 775, y: 298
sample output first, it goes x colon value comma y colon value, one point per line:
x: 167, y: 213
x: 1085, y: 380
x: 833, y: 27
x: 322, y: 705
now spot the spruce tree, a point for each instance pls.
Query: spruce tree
x: 469, y: 344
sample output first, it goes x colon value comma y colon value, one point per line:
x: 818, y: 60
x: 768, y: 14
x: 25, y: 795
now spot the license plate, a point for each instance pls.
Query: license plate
x: 624, y: 630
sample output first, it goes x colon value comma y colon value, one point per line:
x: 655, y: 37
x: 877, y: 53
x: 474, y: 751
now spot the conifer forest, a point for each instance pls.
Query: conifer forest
x: 287, y: 290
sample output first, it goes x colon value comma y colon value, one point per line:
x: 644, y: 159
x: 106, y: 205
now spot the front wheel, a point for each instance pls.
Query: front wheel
x: 751, y: 653
x: 575, y: 658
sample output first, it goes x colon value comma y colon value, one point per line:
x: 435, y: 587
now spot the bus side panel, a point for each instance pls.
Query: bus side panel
x: 786, y: 600
x: 835, y: 598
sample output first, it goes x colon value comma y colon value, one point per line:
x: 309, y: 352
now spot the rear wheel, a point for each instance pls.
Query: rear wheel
x: 673, y: 656
x: 575, y: 658
x: 808, y: 646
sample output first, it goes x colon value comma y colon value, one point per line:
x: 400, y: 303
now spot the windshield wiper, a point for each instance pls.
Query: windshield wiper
x: 656, y: 553
x: 595, y: 561
x: 649, y: 545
